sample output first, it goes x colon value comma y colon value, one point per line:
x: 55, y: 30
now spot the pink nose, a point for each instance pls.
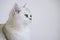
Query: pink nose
x: 30, y: 18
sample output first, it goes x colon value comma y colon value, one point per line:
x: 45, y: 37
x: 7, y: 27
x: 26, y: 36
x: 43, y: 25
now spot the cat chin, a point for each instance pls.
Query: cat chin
x: 27, y: 23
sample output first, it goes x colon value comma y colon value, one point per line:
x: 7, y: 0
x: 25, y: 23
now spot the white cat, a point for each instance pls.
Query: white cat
x: 16, y: 27
x: 2, y: 36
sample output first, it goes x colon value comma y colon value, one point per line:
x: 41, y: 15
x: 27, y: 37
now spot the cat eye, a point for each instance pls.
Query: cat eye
x: 26, y: 15
x: 30, y: 15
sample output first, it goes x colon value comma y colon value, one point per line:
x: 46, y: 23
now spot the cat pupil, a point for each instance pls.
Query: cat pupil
x: 26, y: 15
x: 30, y: 15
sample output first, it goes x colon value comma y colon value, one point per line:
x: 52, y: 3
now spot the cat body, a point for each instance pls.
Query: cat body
x: 16, y: 27
x: 2, y: 36
x: 17, y: 34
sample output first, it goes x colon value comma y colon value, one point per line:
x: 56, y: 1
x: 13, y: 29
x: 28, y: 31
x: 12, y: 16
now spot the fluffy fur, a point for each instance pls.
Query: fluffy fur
x: 16, y: 27
x: 2, y: 36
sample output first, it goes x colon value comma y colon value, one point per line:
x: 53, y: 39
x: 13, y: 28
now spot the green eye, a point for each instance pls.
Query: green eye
x: 26, y: 15
x: 30, y: 15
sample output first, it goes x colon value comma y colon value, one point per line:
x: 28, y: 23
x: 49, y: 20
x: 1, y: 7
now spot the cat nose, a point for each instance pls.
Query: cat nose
x: 30, y: 18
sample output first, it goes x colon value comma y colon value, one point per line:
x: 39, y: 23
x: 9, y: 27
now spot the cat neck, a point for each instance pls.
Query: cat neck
x: 12, y: 23
x: 16, y: 27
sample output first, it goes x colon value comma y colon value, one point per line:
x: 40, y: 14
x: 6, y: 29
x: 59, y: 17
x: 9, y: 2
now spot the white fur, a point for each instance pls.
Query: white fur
x: 2, y: 37
x: 16, y: 27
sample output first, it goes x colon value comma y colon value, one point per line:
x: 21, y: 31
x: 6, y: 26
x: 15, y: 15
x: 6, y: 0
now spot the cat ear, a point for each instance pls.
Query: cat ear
x: 27, y: 9
x: 24, y: 5
x: 16, y: 8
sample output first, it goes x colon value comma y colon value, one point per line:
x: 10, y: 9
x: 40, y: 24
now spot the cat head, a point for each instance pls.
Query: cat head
x: 21, y: 15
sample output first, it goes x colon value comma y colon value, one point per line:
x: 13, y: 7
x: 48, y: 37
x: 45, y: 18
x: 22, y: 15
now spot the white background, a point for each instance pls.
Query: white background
x: 45, y: 24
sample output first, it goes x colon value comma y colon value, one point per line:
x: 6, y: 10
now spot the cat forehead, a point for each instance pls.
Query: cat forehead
x: 25, y: 9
